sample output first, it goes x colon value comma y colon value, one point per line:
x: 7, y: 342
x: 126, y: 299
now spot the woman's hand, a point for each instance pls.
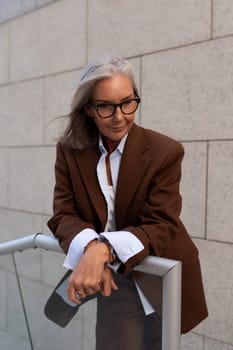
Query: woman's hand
x: 107, y: 284
x: 91, y: 273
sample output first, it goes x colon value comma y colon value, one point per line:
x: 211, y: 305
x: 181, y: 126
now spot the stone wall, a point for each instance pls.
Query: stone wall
x: 182, y: 55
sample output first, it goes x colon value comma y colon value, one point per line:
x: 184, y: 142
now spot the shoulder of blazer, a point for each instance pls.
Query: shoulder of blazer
x: 151, y: 142
x: 69, y: 152
x: 63, y: 149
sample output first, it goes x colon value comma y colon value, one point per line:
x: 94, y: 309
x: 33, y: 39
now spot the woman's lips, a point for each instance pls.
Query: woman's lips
x: 118, y: 128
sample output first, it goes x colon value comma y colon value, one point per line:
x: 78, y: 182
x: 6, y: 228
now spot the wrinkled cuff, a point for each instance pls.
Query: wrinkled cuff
x: 124, y: 243
x: 77, y: 246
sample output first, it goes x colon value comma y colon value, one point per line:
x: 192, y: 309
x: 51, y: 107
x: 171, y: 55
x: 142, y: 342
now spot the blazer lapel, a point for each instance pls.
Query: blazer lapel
x: 87, y: 161
x: 134, y: 164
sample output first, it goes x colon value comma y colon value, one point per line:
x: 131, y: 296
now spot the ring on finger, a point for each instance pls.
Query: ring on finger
x: 78, y: 294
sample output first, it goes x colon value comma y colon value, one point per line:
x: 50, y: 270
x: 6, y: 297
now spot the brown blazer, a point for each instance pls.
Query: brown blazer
x: 147, y: 203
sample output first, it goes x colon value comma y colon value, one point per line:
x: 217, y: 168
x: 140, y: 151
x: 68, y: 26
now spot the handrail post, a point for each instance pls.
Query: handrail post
x: 171, y: 306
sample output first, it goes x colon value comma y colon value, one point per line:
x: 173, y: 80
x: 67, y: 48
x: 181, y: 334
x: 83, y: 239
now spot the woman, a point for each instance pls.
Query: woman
x: 117, y: 201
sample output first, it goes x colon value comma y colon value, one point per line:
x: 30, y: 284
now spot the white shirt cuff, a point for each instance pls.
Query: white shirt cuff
x: 124, y: 243
x: 77, y: 246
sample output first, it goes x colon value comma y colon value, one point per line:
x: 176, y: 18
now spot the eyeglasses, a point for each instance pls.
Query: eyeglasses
x: 107, y: 110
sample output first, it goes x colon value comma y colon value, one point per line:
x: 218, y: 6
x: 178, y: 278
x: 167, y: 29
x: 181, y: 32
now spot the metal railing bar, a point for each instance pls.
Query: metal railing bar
x: 22, y: 302
x: 46, y: 242
x: 18, y: 245
x: 160, y: 265
x: 38, y: 240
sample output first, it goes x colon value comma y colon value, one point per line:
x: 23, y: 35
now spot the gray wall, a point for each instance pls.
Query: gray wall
x: 182, y: 54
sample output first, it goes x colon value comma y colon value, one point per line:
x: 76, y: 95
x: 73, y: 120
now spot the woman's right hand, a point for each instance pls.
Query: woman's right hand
x: 91, y: 274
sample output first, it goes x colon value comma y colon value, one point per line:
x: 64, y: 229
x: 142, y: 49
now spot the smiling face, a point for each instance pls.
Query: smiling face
x: 116, y: 89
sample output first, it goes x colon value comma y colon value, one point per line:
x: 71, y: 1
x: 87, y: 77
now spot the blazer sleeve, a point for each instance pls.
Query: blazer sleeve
x: 158, y: 223
x: 66, y: 221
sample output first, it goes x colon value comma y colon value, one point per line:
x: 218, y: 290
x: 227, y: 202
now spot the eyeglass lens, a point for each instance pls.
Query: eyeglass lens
x: 106, y: 110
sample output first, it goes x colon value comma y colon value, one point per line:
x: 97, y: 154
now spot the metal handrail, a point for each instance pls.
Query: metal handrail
x: 37, y: 240
x: 169, y: 270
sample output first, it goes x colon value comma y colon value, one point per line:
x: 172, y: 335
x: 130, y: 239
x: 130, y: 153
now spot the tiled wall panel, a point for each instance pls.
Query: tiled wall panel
x: 59, y: 90
x: 54, y: 38
x: 17, y: 224
x: 216, y: 260
x: 222, y: 17
x: 193, y: 187
x: 188, y: 91
x: 134, y: 27
x: 3, y: 54
x: 3, y: 177
x: 191, y: 341
x: 211, y: 344
x: 21, y: 113
x: 3, y: 299
x: 220, y: 191
x: 31, y: 178
x: 13, y: 8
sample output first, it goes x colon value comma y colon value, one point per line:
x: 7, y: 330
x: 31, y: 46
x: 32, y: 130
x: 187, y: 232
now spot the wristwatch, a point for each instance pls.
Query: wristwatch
x: 112, y: 253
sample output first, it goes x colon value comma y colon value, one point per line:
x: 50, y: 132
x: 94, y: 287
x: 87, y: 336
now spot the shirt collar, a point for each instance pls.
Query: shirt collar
x: 119, y: 149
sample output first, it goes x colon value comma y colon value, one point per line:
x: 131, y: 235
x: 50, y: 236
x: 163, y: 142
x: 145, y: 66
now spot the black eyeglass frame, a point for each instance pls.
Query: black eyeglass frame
x: 115, y: 105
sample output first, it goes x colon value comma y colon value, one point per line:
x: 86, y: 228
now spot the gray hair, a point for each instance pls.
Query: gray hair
x: 81, y: 129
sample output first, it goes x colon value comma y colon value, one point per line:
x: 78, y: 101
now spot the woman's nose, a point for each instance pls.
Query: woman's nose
x: 118, y: 113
